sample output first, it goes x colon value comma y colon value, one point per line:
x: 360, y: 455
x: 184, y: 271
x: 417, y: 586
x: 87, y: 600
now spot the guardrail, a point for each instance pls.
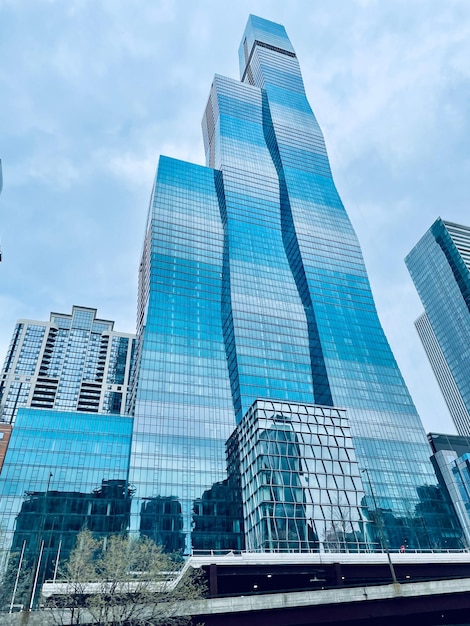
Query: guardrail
x: 327, y: 552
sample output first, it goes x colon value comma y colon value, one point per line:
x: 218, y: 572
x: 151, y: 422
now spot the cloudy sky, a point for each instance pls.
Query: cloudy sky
x: 92, y: 91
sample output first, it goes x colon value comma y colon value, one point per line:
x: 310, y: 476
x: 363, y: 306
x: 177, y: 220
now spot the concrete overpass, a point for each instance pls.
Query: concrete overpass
x: 409, y: 604
x: 255, y: 573
x: 321, y: 589
x: 423, y: 604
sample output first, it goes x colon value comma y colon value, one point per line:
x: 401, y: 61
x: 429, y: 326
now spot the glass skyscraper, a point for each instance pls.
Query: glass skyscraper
x: 439, y: 265
x: 443, y: 374
x: 253, y: 289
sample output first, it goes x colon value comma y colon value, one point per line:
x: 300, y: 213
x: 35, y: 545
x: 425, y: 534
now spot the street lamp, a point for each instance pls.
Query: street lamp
x: 383, y: 539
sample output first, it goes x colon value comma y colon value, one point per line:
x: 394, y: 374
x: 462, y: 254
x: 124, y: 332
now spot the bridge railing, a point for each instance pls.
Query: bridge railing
x: 364, y: 549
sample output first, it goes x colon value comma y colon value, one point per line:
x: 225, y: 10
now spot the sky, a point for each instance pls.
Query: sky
x: 93, y: 91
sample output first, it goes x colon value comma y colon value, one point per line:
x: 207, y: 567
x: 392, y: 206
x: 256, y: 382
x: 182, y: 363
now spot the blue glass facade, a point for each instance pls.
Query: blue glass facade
x: 252, y: 286
x: 62, y: 471
x: 451, y: 460
x: 439, y: 265
x: 183, y: 411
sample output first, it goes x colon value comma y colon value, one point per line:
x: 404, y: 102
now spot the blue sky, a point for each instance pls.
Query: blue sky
x: 92, y: 91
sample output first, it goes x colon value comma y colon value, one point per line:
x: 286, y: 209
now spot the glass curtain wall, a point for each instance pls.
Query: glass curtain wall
x: 253, y: 286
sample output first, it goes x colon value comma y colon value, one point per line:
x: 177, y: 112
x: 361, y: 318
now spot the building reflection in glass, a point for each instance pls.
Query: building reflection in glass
x: 431, y: 524
x: 62, y: 471
x: 218, y: 514
x: 301, y: 485
x: 161, y: 519
x: 48, y: 524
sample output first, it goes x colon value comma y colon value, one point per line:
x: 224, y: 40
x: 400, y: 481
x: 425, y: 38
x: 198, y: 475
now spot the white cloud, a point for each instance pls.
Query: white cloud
x: 100, y: 88
x: 136, y: 169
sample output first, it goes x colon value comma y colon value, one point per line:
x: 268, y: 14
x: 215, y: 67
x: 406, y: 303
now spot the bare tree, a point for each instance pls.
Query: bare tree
x: 76, y: 577
x: 124, y: 581
x: 343, y: 534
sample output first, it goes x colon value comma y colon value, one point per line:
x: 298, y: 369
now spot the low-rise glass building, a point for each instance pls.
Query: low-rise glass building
x: 63, y: 471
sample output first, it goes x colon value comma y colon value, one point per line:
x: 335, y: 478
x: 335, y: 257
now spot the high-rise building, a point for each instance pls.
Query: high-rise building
x: 439, y: 265
x: 255, y: 311
x: 443, y: 374
x: 74, y: 362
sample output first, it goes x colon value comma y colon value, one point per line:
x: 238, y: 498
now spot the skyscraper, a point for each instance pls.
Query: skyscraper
x: 439, y: 265
x: 443, y: 374
x: 74, y: 362
x: 255, y: 310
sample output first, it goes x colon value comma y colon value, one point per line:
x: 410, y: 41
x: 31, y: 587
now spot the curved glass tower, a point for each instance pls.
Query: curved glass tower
x: 439, y: 265
x: 253, y: 287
